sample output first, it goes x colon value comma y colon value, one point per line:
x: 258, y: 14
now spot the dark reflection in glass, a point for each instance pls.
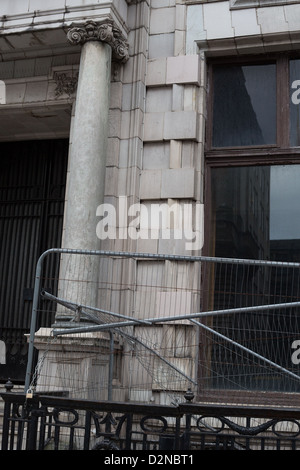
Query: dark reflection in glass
x: 257, y: 212
x: 244, y: 105
x: 295, y: 103
x: 255, y: 215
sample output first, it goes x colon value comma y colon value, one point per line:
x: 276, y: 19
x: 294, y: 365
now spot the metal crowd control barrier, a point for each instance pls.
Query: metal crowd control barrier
x: 244, y: 312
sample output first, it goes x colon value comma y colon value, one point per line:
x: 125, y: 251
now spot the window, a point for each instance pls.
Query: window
x: 253, y: 145
x: 255, y: 105
x: 244, y: 105
x: 264, y: 209
x: 253, y: 212
x: 294, y: 103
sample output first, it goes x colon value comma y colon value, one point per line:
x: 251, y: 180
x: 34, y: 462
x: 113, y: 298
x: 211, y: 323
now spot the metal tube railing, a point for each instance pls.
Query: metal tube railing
x: 126, y: 321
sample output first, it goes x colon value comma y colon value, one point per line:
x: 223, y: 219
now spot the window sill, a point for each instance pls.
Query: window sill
x: 239, y: 4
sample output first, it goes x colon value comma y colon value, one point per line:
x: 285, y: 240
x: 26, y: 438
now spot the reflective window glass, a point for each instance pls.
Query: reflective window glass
x: 259, y: 204
x: 255, y: 214
x: 244, y: 105
x: 295, y: 103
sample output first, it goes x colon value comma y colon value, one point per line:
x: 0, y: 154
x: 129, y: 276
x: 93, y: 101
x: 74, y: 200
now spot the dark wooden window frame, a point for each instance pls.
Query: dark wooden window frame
x: 279, y: 154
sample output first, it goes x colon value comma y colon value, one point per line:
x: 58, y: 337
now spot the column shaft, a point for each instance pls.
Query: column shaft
x: 88, y: 147
x: 86, y: 176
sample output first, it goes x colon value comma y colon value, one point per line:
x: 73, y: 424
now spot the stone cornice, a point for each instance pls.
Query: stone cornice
x: 104, y: 31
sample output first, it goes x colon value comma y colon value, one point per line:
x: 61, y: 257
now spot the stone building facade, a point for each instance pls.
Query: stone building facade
x: 127, y: 85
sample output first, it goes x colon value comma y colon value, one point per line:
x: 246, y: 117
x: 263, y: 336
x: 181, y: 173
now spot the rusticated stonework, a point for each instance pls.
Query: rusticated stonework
x: 104, y: 31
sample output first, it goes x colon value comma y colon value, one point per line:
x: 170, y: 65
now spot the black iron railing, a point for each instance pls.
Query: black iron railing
x: 57, y: 422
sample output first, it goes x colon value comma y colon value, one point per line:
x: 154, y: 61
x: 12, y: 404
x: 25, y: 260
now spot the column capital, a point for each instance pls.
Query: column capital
x: 104, y: 31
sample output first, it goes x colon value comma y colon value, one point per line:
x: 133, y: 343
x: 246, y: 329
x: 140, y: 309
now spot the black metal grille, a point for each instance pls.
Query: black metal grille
x: 32, y: 188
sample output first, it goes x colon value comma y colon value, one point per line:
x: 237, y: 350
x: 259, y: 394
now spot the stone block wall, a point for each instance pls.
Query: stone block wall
x: 171, y: 170
x: 160, y: 163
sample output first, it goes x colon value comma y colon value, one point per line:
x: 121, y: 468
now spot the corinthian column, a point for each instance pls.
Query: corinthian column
x: 88, y: 147
x: 85, y: 191
x: 87, y: 159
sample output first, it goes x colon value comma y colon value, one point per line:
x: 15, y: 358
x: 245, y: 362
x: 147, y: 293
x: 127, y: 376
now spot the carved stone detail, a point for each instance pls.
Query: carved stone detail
x: 105, y: 31
x: 65, y: 83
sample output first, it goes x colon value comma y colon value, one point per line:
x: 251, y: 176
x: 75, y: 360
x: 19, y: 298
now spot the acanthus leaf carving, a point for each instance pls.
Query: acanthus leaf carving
x: 104, y: 31
x: 65, y: 83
